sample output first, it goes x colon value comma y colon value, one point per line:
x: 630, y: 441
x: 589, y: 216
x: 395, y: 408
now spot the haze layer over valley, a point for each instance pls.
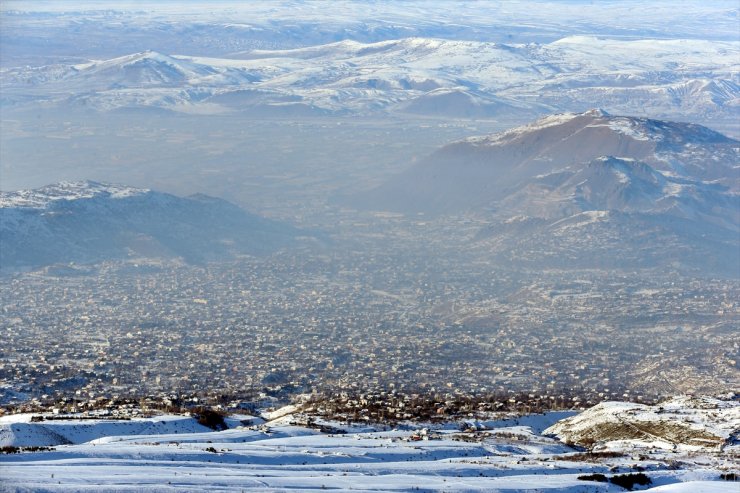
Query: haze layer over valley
x: 474, y: 206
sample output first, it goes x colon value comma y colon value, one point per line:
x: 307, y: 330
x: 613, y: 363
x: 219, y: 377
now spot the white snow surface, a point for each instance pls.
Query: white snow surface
x: 694, y: 487
x: 19, y: 431
x: 40, y: 198
x: 178, y: 455
x: 674, y: 76
x: 690, y: 423
x: 580, y: 220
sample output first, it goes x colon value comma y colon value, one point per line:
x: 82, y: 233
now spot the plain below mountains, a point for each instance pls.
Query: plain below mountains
x: 588, y: 188
x: 87, y: 222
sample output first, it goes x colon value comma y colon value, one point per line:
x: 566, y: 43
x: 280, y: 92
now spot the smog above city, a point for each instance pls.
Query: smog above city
x: 486, y: 209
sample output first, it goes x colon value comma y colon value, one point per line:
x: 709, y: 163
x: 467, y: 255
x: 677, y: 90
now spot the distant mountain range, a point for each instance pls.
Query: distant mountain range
x: 87, y: 222
x: 569, y: 190
x: 411, y: 76
x: 587, y: 188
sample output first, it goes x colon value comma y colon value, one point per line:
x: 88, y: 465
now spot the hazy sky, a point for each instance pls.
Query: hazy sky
x: 716, y: 19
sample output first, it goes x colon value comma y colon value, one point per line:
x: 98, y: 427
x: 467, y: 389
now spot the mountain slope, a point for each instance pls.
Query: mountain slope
x: 685, y: 422
x: 588, y: 189
x: 480, y: 171
x: 422, y: 76
x: 89, y: 222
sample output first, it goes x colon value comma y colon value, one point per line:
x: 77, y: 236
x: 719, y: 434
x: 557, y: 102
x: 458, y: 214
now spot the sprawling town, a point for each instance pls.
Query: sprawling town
x: 340, y: 318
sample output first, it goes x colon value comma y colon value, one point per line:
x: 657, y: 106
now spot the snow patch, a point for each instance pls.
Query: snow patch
x: 66, y: 190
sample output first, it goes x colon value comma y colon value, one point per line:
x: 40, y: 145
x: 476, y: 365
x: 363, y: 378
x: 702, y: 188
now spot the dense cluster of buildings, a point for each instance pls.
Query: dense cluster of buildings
x: 362, y: 319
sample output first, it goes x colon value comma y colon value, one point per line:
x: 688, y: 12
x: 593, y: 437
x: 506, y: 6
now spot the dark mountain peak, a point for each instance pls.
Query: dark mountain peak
x: 627, y: 168
x: 596, y: 113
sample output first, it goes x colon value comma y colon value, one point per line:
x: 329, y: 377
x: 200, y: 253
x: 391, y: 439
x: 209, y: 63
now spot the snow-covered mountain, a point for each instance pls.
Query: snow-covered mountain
x: 88, y: 222
x: 580, y: 185
x: 584, y: 161
x: 45, y: 31
x: 427, y: 76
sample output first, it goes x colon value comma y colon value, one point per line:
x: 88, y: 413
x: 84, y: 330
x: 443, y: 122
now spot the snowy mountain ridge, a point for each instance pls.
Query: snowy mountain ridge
x: 422, y: 76
x: 43, y: 197
x: 632, y: 127
x: 482, y: 170
x: 585, y: 187
x: 89, y: 222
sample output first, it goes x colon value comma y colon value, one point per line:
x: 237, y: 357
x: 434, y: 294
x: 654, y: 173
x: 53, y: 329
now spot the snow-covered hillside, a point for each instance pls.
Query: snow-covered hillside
x: 570, y: 163
x: 89, y: 222
x: 98, y: 30
x: 421, y: 76
x: 690, y: 423
x: 585, y: 187
x: 168, y: 453
x: 46, y: 197
x: 21, y: 431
